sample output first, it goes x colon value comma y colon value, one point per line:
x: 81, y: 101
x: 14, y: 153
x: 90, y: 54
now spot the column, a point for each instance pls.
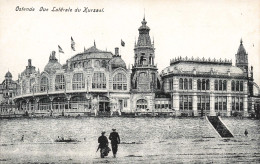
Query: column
x: 229, y: 104
x: 212, y: 104
x: 176, y: 103
x: 245, y: 105
x: 195, y: 104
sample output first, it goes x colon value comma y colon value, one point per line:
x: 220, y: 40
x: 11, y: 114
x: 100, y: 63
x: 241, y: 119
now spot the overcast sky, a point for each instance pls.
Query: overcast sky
x: 201, y: 28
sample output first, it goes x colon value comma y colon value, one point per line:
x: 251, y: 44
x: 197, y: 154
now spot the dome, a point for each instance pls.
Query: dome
x: 117, y: 62
x: 53, y: 64
x: 8, y: 74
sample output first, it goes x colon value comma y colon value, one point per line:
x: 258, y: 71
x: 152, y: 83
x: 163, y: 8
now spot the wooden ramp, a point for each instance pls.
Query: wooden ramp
x: 219, y: 126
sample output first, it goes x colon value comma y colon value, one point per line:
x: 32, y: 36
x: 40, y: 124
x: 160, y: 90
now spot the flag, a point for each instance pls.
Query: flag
x: 60, y: 49
x: 72, y: 44
x: 122, y: 43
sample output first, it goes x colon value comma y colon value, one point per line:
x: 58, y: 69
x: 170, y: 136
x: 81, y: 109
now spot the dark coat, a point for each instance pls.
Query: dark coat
x: 114, y: 137
x: 103, y: 141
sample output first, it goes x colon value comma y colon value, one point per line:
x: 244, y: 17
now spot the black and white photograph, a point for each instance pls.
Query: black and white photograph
x: 174, y: 81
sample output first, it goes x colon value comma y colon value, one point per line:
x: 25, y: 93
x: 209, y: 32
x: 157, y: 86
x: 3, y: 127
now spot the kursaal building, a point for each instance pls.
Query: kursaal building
x: 98, y: 81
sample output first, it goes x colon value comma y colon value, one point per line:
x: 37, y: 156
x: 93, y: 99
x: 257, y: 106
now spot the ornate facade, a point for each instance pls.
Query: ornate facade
x: 97, y: 81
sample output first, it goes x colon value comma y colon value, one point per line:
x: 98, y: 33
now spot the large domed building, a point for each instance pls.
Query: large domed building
x: 98, y: 81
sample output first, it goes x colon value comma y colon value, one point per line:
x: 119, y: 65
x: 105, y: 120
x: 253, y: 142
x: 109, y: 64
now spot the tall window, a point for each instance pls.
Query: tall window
x: 97, y: 63
x: 119, y: 82
x: 99, y: 81
x: 185, y: 84
x: 59, y: 82
x: 181, y: 83
x: 237, y: 85
x: 203, y: 103
x: 185, y: 102
x: 199, y: 84
x: 78, y: 81
x: 203, y: 84
x: 237, y: 104
x: 220, y: 103
x: 44, y: 84
x: 224, y: 85
x: 171, y: 84
x: 241, y: 86
x: 190, y: 84
x: 216, y: 85
x: 233, y: 85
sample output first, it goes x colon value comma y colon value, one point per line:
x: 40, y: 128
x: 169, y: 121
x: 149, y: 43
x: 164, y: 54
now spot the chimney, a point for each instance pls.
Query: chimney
x: 116, y: 51
x: 29, y: 62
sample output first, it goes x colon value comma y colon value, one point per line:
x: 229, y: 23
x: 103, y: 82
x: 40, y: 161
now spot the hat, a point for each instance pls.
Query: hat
x: 113, y: 129
x: 103, y: 132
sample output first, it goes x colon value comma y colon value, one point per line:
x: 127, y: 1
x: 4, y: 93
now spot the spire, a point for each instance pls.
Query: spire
x: 94, y: 43
x: 241, y: 41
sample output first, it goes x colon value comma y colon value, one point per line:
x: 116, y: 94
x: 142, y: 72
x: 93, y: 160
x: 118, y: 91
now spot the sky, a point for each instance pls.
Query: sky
x: 198, y: 28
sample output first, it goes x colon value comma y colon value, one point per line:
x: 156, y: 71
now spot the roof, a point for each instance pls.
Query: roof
x: 8, y: 74
x: 53, y: 64
x: 203, y: 68
x: 117, y: 62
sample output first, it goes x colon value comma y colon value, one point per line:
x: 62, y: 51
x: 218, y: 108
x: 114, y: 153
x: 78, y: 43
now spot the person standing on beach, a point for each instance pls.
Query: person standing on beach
x: 103, y: 144
x: 115, y: 140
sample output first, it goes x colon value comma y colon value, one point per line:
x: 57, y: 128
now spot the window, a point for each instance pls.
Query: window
x: 237, y: 85
x: 203, y: 102
x: 220, y: 103
x: 185, y: 84
x: 44, y: 84
x: 224, y: 85
x: 241, y: 86
x: 199, y: 84
x: 32, y: 85
x: 78, y: 81
x: 24, y: 86
x: 237, y: 104
x: 125, y: 102
x: 59, y: 82
x: 171, y: 84
x: 97, y: 63
x: 190, y: 84
x: 141, y: 104
x: 181, y: 83
x: 216, y: 85
x: 207, y: 84
x: 119, y: 82
x: 233, y: 85
x: 99, y: 81
x: 185, y: 102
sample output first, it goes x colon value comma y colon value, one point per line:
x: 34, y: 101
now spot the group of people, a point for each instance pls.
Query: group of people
x: 103, y: 143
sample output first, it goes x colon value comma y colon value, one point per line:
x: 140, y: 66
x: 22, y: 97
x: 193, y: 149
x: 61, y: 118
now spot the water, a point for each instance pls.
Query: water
x: 144, y: 140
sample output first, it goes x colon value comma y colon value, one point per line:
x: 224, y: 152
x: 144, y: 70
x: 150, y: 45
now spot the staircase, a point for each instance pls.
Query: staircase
x: 219, y: 126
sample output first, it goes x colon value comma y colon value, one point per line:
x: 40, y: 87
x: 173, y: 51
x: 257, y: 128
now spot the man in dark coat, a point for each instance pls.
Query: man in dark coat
x: 103, y: 144
x: 115, y: 140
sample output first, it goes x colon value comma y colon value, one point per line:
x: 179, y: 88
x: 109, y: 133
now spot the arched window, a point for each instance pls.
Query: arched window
x: 78, y: 81
x: 119, y: 82
x: 190, y: 84
x: 216, y: 85
x: 241, y: 86
x: 203, y: 84
x: 88, y: 63
x: 104, y: 64
x: 224, y: 85
x: 141, y: 104
x: 233, y: 85
x: 185, y: 84
x: 99, y: 81
x: 207, y: 84
x: 44, y: 84
x: 180, y: 83
x: 237, y: 85
x: 59, y: 82
x: 220, y: 85
x: 199, y: 84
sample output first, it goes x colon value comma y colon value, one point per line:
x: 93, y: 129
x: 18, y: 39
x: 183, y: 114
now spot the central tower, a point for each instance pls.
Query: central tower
x: 144, y: 72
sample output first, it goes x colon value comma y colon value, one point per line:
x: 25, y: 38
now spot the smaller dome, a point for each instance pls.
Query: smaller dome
x: 8, y: 74
x: 117, y: 62
x: 53, y: 64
